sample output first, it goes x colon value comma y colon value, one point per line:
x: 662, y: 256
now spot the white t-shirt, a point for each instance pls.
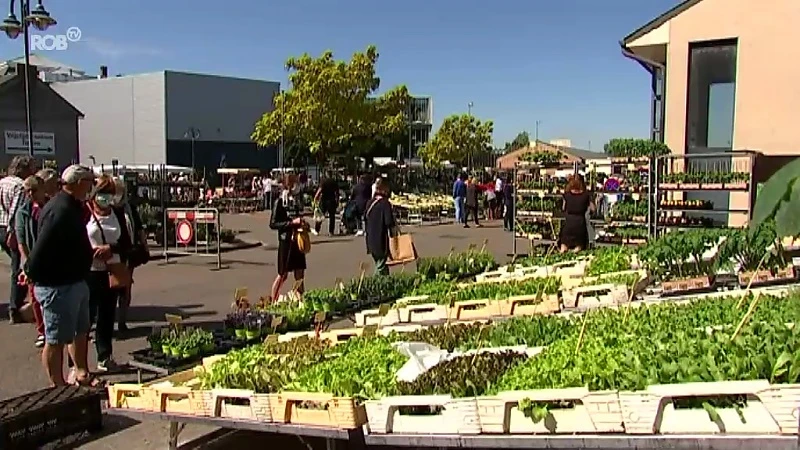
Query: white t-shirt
x: 498, y: 185
x: 104, y: 230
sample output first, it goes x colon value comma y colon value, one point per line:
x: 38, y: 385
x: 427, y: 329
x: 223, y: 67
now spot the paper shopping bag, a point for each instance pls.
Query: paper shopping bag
x: 401, y: 249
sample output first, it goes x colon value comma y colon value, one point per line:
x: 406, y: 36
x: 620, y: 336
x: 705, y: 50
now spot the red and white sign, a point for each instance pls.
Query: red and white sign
x: 197, y: 216
x: 184, y: 232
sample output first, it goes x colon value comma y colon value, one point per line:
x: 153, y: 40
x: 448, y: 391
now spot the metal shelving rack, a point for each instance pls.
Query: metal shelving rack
x: 724, y: 162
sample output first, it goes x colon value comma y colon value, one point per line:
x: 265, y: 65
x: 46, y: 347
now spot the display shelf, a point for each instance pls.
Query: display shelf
x: 722, y: 177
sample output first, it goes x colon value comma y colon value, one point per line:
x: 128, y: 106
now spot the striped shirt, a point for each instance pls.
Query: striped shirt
x: 11, y: 192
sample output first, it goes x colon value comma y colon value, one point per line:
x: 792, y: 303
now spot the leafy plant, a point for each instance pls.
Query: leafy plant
x: 779, y: 200
x: 457, y: 266
x: 635, y: 148
x: 753, y: 249
x: 543, y: 157
x: 680, y: 255
x: 609, y: 259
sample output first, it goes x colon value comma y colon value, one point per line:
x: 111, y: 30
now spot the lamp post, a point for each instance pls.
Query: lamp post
x: 40, y: 19
x: 193, y: 134
x: 538, y: 122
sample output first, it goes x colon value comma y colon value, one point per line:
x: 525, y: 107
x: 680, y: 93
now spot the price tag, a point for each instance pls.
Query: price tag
x: 276, y: 322
x: 338, y: 284
x: 174, y: 320
x: 370, y: 330
x: 240, y: 294
x: 471, y: 247
x: 271, y: 339
x: 384, y: 309
x: 485, y: 243
x: 320, y: 316
x: 452, y: 301
x: 452, y: 250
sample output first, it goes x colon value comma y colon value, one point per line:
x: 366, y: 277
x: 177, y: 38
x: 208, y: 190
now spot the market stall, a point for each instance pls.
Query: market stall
x: 237, y: 193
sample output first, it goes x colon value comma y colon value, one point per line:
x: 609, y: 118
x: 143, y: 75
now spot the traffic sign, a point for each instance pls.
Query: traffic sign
x: 184, y: 232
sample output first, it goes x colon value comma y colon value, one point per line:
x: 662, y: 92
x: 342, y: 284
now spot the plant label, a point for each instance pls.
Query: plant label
x: 240, y: 294
x: 338, y: 284
x: 370, y: 330
x: 174, y: 320
x: 276, y: 322
x: 383, y: 309
x: 320, y: 316
x: 271, y: 339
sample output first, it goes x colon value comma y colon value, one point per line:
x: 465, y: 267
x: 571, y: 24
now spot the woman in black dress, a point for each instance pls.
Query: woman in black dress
x: 577, y: 201
x: 287, y: 219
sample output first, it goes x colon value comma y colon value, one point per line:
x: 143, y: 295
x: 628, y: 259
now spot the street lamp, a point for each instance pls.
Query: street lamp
x: 193, y: 134
x: 469, y: 107
x: 12, y: 27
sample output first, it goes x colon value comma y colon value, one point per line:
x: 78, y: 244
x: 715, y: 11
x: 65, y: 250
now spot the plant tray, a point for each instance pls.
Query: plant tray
x: 686, y: 286
x: 689, y: 186
x: 442, y: 414
x: 741, y: 186
x: 373, y: 317
x: 713, y: 186
x: 668, y: 186
x: 324, y: 410
x: 426, y: 312
x: 477, y: 309
x: 158, y: 395
x: 578, y: 411
x: 499, y: 275
x: 37, y: 418
x: 529, y: 305
x: 242, y: 404
x: 586, y: 297
x: 766, y: 277
x: 770, y: 409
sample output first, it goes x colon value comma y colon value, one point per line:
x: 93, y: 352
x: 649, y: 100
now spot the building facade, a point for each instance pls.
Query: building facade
x: 174, y: 118
x: 54, y: 121
x: 421, y: 123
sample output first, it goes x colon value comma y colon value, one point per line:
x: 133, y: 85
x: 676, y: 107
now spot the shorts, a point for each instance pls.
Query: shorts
x: 65, y: 310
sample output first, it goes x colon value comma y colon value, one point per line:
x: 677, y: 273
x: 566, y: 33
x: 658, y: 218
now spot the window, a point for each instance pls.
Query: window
x: 711, y: 96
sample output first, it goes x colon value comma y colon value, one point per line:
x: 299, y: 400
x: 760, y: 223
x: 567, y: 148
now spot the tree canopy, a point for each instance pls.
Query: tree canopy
x: 331, y: 105
x: 460, y: 139
x: 522, y: 140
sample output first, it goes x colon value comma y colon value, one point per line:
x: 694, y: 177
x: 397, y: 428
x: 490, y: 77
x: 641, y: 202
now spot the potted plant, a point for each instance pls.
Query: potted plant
x: 758, y: 255
x: 252, y: 328
x: 155, y: 341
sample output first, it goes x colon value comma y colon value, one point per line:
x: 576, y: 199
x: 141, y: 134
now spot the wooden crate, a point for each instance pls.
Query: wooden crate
x: 769, y: 410
x: 242, y: 404
x: 498, y: 275
x: 373, y: 317
x: 529, y: 305
x: 595, y: 296
x: 586, y: 412
x: 477, y: 309
x: 327, y: 411
x: 157, y: 395
x: 639, y: 287
x: 425, y: 312
x: 448, y: 415
x: 687, y: 285
x: 766, y: 277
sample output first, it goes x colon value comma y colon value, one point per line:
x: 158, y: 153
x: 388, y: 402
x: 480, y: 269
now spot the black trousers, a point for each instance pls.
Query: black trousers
x: 104, y: 302
x: 471, y: 211
x: 330, y: 214
x: 508, y: 219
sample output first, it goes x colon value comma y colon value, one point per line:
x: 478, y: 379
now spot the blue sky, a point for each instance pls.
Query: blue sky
x: 518, y: 61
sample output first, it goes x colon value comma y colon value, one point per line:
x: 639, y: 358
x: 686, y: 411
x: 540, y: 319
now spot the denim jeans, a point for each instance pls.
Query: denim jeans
x: 459, y: 205
x: 18, y: 292
x: 65, y: 310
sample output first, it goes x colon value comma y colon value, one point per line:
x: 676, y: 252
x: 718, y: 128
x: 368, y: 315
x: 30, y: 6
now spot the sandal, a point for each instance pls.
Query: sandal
x: 90, y: 381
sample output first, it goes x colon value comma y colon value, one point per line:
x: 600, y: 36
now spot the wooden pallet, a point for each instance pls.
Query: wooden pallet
x: 447, y: 415
x: 770, y: 409
x: 582, y: 412
x: 323, y: 410
x: 595, y: 296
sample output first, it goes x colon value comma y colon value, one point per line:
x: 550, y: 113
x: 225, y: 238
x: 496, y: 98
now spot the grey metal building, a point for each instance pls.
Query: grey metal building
x: 421, y: 123
x: 151, y: 119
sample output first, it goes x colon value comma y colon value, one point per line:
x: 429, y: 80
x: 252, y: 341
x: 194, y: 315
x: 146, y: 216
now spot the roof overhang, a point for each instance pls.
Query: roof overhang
x: 648, y: 44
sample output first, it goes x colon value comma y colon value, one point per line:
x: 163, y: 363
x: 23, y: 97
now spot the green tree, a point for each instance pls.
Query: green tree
x: 331, y: 106
x: 522, y: 140
x: 462, y: 138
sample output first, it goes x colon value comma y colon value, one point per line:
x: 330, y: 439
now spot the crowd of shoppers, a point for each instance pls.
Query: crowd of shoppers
x: 73, y: 241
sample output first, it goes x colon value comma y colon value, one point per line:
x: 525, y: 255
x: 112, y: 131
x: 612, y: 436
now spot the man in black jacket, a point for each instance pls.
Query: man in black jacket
x: 58, y: 265
x: 362, y: 194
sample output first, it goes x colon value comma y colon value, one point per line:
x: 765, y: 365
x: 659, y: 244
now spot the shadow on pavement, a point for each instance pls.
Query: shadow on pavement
x: 111, y: 425
x: 153, y: 313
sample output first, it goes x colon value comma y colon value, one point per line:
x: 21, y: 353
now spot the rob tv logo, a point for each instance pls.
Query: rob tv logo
x: 48, y: 42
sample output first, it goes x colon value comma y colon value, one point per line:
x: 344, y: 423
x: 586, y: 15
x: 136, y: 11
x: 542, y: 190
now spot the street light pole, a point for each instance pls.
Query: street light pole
x: 281, y: 151
x: 538, y: 122
x: 41, y: 19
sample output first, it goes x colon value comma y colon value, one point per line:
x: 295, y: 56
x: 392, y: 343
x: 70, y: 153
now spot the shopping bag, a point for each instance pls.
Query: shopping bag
x: 318, y: 218
x: 401, y: 249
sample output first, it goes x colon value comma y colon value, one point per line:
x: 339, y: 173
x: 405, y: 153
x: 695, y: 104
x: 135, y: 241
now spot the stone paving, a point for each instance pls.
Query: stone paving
x: 193, y: 288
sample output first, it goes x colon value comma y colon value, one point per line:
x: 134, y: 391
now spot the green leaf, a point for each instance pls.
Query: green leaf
x: 775, y: 191
x: 787, y: 218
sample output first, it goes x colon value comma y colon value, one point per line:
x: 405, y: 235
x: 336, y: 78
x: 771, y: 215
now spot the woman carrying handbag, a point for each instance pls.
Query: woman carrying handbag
x: 110, y: 276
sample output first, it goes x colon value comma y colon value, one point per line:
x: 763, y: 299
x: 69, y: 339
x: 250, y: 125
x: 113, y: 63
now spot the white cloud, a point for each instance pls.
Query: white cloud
x: 111, y: 49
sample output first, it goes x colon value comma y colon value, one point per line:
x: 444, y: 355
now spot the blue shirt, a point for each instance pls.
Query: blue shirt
x: 459, y: 189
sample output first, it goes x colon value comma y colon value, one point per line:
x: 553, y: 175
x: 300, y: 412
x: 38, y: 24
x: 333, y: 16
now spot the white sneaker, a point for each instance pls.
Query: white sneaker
x: 314, y: 232
x: 108, y: 365
x: 360, y: 233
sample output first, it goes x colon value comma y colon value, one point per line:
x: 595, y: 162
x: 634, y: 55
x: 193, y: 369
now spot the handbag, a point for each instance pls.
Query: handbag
x: 119, y: 274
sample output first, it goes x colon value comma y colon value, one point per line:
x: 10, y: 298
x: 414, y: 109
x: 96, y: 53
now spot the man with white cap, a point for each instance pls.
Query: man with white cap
x: 58, y: 265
